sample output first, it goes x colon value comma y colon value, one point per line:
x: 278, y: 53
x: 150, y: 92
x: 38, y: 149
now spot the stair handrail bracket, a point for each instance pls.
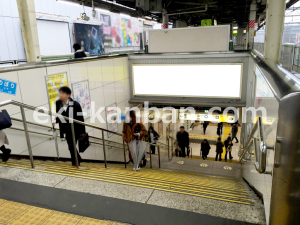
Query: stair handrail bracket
x: 260, y: 147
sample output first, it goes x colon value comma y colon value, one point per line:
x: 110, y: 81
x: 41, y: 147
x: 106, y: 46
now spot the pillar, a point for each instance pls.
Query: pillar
x: 165, y: 18
x: 274, y: 29
x: 29, y: 30
x: 252, y: 21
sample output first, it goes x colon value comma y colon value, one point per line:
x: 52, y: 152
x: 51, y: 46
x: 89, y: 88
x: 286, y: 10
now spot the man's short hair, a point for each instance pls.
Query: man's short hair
x: 219, y: 139
x: 66, y: 90
x: 76, y: 46
x: 182, y: 127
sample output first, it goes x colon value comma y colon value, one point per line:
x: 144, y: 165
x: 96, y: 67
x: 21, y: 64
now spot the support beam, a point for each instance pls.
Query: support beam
x: 165, y: 17
x: 274, y: 29
x: 252, y: 21
x: 29, y: 30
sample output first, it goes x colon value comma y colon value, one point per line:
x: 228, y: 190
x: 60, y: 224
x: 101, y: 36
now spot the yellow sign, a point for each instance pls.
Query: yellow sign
x: 54, y: 82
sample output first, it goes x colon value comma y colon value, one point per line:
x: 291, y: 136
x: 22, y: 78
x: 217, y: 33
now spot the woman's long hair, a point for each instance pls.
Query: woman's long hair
x: 132, y: 116
x: 151, y: 128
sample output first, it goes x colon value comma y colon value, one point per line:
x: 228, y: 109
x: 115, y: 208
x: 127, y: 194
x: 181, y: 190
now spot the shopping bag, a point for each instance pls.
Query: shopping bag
x: 5, y: 120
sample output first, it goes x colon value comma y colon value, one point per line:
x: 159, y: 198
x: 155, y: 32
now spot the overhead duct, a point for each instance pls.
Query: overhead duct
x: 189, y: 12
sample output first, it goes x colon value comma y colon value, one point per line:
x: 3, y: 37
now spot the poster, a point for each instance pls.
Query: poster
x: 90, y: 37
x: 81, y: 94
x: 116, y: 31
x: 160, y: 128
x: 111, y: 119
x: 54, y: 82
x: 107, y: 39
x: 135, y: 32
x: 167, y: 132
x: 126, y: 31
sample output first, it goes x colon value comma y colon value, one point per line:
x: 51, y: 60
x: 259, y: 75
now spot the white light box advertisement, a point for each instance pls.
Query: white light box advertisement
x: 188, y: 80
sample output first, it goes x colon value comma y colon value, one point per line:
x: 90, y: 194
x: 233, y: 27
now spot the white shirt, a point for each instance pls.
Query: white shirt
x: 152, y: 137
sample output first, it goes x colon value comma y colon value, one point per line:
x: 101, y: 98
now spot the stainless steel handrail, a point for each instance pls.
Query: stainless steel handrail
x: 71, y: 120
x: 260, y: 146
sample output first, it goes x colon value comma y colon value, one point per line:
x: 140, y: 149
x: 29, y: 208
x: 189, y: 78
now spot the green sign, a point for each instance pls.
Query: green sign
x: 206, y: 22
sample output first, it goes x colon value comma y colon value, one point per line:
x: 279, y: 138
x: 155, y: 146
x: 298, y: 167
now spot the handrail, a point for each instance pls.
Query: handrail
x: 260, y: 147
x: 72, y: 121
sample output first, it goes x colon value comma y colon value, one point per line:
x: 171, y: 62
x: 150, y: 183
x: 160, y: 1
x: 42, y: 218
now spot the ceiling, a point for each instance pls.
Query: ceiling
x: 224, y: 11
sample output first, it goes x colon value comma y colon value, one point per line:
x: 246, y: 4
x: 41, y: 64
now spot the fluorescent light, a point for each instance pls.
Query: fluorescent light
x: 287, y: 1
x: 102, y: 10
x: 124, y: 15
x: 142, y: 19
x: 148, y: 17
x: 114, y: 3
x: 235, y: 28
x: 69, y: 3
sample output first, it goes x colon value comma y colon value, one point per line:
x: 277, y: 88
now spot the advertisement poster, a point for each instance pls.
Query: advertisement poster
x: 90, y: 37
x: 54, y: 82
x: 126, y: 31
x: 107, y: 39
x: 116, y: 31
x: 160, y: 128
x: 111, y: 119
x: 81, y: 94
x: 167, y: 132
x: 135, y: 32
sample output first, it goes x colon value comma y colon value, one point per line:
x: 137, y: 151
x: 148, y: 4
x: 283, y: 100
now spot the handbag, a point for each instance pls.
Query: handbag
x: 5, y: 120
x: 83, y: 143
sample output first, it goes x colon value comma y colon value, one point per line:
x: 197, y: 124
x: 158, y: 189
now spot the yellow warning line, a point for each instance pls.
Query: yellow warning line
x: 239, y: 196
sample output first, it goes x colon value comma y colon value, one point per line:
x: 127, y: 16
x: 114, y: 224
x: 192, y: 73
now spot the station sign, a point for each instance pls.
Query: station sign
x: 8, y: 87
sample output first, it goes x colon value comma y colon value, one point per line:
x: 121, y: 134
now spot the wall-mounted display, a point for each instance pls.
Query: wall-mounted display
x: 54, y: 82
x: 90, y: 37
x: 111, y: 119
x: 81, y: 94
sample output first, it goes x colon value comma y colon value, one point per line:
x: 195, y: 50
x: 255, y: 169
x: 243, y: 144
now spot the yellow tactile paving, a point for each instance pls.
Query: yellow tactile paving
x: 12, y: 213
x: 219, y: 188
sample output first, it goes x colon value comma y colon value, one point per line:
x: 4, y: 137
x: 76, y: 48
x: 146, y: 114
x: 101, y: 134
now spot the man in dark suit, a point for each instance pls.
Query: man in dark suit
x: 183, y: 141
x: 66, y: 106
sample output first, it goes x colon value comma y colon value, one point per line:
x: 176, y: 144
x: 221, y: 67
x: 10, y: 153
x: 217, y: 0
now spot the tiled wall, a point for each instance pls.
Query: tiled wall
x: 108, y: 82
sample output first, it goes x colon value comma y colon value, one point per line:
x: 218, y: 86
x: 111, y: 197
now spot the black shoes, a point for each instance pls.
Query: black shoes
x: 6, y: 155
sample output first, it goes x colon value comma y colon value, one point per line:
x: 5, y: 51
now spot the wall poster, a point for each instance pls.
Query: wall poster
x: 111, y: 119
x: 116, y: 31
x: 90, y: 37
x: 168, y: 128
x: 81, y: 94
x: 160, y: 128
x: 54, y: 82
x: 126, y: 31
x: 107, y: 39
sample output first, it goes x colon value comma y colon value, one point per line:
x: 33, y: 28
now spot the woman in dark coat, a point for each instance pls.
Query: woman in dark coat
x: 205, y: 147
x: 153, y: 137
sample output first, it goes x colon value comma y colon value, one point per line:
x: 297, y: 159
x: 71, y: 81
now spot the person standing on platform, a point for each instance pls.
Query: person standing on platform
x: 228, y: 146
x: 183, y: 141
x: 153, y: 137
x: 234, y: 131
x: 205, y: 147
x: 219, y: 149
x: 205, y: 124
x: 220, y: 129
x: 79, y: 53
x: 67, y: 107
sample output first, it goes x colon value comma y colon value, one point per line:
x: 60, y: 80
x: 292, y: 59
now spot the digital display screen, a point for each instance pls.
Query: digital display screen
x: 192, y: 80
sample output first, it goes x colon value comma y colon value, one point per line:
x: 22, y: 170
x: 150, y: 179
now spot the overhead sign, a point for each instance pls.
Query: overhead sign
x: 54, y: 82
x: 8, y: 87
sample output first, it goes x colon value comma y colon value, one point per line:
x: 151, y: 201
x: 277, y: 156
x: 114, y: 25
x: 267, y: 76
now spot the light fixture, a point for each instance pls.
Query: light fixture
x: 287, y: 1
x: 148, y: 17
x: 69, y: 3
x: 245, y: 31
x: 235, y: 28
x: 115, y: 3
x: 142, y: 19
x: 102, y: 10
x: 124, y: 15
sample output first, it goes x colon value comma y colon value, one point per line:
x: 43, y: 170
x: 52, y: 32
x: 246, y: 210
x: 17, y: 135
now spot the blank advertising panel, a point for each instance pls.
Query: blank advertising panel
x: 196, y: 80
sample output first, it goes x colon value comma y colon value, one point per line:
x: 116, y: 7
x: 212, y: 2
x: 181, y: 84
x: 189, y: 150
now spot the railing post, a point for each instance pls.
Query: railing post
x: 158, y: 148
x: 124, y: 154
x: 55, y: 139
x: 150, y: 157
x: 74, y: 143
x: 27, y: 136
x: 104, y: 153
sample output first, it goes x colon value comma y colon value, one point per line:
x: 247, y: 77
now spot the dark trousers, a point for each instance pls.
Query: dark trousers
x: 218, y: 155
x: 230, y: 157
x: 204, y: 155
x: 3, y: 149
x: 152, y: 149
x: 69, y: 140
x: 235, y: 139
x: 204, y: 130
x: 182, y: 151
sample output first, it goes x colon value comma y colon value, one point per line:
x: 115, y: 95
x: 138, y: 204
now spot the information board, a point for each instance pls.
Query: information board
x: 8, y: 87
x: 81, y: 94
x: 111, y: 119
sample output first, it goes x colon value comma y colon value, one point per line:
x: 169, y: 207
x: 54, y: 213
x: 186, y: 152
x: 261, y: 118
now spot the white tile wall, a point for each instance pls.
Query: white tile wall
x: 32, y: 91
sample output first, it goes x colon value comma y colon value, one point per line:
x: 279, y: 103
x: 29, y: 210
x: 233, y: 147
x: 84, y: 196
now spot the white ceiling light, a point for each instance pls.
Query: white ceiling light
x: 115, y: 3
x: 148, y: 17
x: 124, y: 15
x: 235, y: 28
x: 142, y: 19
x: 102, y: 10
x: 69, y: 3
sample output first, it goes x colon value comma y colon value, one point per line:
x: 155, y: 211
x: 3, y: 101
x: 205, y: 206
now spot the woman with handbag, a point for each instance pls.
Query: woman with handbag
x: 133, y: 134
x: 5, y: 122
